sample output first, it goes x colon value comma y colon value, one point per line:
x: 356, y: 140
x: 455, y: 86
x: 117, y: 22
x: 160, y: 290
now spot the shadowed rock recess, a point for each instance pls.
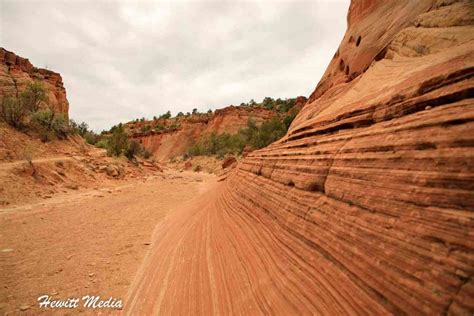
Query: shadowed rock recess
x: 364, y: 207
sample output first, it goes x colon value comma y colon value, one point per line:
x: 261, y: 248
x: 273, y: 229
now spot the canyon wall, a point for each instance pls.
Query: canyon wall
x: 16, y: 72
x: 364, y: 207
x: 177, y: 141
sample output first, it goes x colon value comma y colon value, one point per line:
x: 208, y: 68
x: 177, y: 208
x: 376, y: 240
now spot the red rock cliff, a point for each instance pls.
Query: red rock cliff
x: 365, y: 207
x: 16, y: 72
x: 177, y: 141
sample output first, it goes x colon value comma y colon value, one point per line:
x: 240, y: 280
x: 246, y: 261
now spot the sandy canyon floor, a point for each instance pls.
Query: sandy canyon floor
x: 86, y: 241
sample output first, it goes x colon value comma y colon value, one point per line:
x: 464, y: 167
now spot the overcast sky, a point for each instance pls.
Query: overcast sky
x: 124, y: 60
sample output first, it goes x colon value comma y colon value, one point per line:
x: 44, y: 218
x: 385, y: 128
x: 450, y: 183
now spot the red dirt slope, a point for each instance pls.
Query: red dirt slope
x: 365, y: 207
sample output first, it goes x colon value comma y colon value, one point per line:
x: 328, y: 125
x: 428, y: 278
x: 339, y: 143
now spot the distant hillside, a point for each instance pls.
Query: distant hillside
x: 167, y: 137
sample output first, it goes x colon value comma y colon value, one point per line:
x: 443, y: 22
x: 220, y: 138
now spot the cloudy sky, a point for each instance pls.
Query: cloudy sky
x: 129, y: 59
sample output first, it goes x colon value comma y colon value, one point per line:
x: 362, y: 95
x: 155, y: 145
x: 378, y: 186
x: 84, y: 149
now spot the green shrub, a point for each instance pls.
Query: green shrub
x: 254, y: 136
x: 60, y: 126
x: 159, y: 127
x: 83, y: 129
x: 33, y: 96
x: 118, y: 142
x: 279, y: 105
x: 102, y: 143
x: 13, y: 111
x: 167, y: 115
x: 49, y: 121
x: 43, y: 118
x: 134, y: 149
x: 145, y: 128
x: 91, y: 138
x: 268, y: 132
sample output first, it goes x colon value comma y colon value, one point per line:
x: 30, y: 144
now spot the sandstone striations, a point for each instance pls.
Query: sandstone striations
x: 16, y: 72
x: 364, y: 207
x: 185, y: 131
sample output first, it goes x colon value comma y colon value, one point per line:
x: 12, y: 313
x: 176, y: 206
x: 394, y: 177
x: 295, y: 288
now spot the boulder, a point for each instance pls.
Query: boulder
x: 113, y: 170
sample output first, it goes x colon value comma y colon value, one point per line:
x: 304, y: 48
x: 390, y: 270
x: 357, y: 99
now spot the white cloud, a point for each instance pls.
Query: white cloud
x: 128, y: 59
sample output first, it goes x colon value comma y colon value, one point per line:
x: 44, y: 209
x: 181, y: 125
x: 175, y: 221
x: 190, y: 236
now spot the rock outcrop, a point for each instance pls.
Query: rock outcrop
x: 364, y: 207
x: 229, y: 161
x: 177, y: 141
x: 16, y: 72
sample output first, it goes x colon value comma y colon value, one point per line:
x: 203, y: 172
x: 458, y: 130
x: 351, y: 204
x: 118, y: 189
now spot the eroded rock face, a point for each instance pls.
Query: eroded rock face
x: 364, y: 207
x: 16, y: 72
x: 175, y: 142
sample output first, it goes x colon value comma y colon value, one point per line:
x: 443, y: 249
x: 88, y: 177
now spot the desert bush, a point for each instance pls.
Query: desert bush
x: 268, y: 132
x: 33, y: 96
x: 159, y: 127
x: 287, y: 120
x: 102, y: 143
x: 145, y: 128
x: 92, y: 138
x: 118, y: 142
x: 43, y: 119
x: 167, y: 115
x: 60, y: 126
x: 134, y: 149
x: 279, y: 105
x: 252, y: 135
x: 13, y: 111
x: 219, y: 144
x: 83, y: 129
x: 49, y: 123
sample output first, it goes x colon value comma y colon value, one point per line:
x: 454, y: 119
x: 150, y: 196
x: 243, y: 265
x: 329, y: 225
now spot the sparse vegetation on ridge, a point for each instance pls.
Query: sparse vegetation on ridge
x: 25, y: 111
x: 253, y: 136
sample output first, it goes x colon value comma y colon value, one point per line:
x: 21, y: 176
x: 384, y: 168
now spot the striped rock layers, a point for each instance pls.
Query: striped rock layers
x: 16, y: 72
x: 364, y: 207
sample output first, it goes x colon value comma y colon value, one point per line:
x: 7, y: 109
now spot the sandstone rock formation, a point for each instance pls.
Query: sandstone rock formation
x: 364, y: 207
x: 229, y: 161
x: 173, y: 142
x: 16, y: 72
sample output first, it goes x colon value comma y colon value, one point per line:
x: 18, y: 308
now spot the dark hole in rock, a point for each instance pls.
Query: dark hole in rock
x: 312, y: 187
x: 381, y: 54
x: 341, y: 65
x: 358, y: 40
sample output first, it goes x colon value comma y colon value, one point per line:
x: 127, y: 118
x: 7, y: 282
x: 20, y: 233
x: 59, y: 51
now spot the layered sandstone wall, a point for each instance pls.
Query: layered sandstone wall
x: 16, y: 72
x: 365, y: 207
